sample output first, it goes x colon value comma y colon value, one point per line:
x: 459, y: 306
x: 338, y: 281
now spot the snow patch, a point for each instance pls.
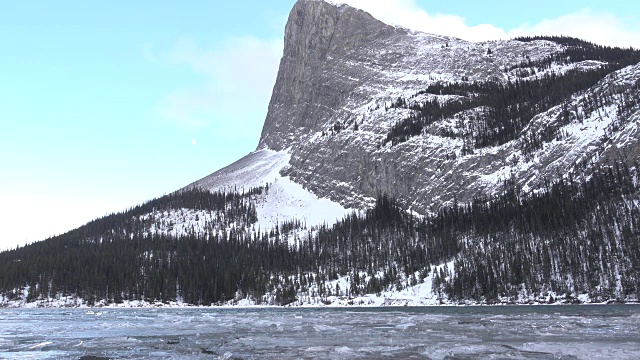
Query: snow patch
x: 283, y: 199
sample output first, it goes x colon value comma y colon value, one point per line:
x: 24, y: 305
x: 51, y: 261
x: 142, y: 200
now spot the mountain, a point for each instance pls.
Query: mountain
x: 342, y: 69
x: 394, y: 167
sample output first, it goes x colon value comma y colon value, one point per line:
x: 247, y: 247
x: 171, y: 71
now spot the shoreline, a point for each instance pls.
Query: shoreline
x: 43, y: 304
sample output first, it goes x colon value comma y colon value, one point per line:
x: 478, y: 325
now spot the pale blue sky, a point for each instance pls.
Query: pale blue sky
x: 104, y: 105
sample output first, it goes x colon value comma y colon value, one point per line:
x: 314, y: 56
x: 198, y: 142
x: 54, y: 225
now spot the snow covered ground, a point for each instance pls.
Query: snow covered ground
x: 284, y: 200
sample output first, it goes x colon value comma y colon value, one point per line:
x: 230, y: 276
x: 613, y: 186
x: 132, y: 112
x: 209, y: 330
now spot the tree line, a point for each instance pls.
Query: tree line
x: 574, y: 236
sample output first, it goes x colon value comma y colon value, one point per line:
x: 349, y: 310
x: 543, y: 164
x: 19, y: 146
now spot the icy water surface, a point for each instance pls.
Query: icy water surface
x: 519, y: 332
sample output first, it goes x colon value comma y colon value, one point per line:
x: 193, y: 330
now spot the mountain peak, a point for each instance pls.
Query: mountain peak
x: 317, y: 31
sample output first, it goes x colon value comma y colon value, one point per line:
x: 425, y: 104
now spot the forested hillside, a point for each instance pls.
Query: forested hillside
x: 578, y: 236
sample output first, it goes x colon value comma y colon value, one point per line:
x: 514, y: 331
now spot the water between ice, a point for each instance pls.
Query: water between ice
x: 519, y: 332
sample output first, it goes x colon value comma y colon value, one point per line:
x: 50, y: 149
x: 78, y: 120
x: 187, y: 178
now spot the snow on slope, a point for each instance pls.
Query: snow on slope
x: 281, y: 200
x: 180, y: 222
x: 422, y: 171
x: 335, y: 113
x: 284, y: 200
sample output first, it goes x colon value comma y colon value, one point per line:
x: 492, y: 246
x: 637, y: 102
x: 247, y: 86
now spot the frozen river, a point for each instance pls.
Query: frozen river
x: 517, y: 332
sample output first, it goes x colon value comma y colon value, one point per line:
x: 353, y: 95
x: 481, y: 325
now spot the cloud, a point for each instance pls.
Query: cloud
x: 191, y: 108
x: 407, y: 14
x: 601, y: 28
x: 605, y: 29
x: 237, y: 80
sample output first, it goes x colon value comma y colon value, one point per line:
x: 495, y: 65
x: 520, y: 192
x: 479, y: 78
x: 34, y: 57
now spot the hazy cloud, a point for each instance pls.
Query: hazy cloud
x: 601, y: 28
x: 605, y: 29
x: 189, y: 107
x: 406, y: 13
x: 240, y: 76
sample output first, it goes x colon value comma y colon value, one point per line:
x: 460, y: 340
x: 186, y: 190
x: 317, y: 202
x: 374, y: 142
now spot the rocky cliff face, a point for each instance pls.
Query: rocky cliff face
x: 313, y: 81
x: 332, y: 110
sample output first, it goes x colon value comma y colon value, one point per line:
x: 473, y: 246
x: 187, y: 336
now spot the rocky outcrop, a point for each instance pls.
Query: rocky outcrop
x: 318, y: 37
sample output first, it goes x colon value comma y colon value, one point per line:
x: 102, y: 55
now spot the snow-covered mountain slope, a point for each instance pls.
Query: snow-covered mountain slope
x: 280, y: 201
x: 339, y: 61
x: 342, y: 70
x: 332, y: 110
x: 283, y: 199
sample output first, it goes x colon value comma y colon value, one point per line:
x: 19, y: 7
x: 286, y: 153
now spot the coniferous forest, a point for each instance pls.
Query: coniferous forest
x: 577, y: 236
